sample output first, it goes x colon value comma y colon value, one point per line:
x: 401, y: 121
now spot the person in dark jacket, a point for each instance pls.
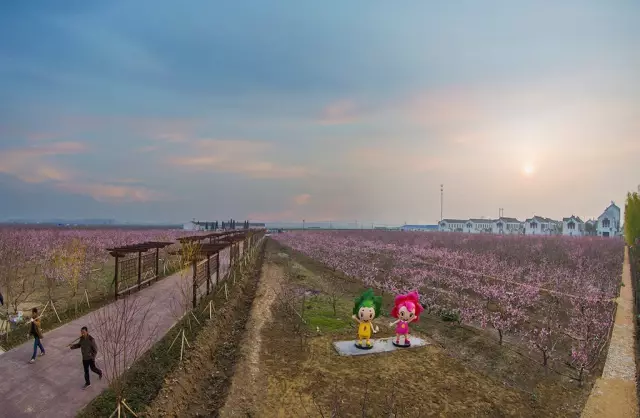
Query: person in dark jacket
x: 89, y: 349
x: 36, y: 332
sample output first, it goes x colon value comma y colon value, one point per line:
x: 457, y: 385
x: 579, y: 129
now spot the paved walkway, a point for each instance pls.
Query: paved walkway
x: 614, y: 394
x: 52, y: 387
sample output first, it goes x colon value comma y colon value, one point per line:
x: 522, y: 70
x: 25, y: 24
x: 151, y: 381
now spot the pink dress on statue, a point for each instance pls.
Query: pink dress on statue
x: 402, y: 328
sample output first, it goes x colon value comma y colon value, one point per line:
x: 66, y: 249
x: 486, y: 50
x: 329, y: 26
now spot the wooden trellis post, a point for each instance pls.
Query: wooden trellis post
x: 139, y: 269
x: 208, y: 273
x: 195, y: 285
x: 115, y: 275
x: 217, y: 268
x: 157, y: 261
x: 119, y: 252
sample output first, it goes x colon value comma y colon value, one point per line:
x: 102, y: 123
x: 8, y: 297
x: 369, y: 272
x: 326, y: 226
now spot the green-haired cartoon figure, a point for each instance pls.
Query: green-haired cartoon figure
x: 366, y: 308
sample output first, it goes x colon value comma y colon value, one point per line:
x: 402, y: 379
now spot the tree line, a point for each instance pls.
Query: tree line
x: 632, y: 219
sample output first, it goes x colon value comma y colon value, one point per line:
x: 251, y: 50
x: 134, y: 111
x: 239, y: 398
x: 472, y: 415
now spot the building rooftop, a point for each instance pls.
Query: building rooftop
x: 574, y: 217
x: 421, y: 226
x: 540, y: 219
x: 481, y: 221
x: 455, y: 221
x: 503, y: 219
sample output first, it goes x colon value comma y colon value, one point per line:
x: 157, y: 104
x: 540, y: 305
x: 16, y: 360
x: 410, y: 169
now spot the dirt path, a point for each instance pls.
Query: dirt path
x: 614, y: 394
x: 201, y: 384
x: 245, y: 389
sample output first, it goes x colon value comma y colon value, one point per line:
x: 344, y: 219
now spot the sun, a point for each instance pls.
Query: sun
x: 528, y: 169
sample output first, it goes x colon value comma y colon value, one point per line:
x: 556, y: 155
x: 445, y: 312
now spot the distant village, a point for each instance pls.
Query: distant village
x: 606, y: 225
x: 217, y: 225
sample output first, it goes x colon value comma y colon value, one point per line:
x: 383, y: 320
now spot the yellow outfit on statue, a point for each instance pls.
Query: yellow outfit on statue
x: 364, y: 331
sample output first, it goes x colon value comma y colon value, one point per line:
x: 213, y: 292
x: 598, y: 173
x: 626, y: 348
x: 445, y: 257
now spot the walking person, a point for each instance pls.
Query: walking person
x: 36, y: 332
x: 89, y: 349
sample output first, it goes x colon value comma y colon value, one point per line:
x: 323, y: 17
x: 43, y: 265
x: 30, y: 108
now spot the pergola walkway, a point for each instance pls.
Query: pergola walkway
x: 52, y: 387
x: 614, y: 394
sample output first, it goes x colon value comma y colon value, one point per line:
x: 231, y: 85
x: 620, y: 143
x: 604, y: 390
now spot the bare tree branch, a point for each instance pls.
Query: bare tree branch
x: 124, y: 330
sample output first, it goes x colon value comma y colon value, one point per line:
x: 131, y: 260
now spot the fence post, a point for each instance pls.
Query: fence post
x: 217, y: 268
x: 208, y: 272
x: 195, y: 286
x: 139, y: 268
x: 157, y: 261
x: 115, y: 276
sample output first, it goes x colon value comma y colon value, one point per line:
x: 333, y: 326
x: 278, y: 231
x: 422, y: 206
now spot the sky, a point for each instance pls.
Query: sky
x: 334, y: 110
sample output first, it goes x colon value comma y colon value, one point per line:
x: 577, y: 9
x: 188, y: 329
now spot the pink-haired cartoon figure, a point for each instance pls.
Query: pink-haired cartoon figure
x: 407, y: 309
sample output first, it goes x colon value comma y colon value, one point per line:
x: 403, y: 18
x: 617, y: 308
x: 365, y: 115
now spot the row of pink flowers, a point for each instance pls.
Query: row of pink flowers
x: 540, y: 290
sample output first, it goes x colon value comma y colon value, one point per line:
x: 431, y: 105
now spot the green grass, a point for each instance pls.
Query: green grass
x: 319, y: 314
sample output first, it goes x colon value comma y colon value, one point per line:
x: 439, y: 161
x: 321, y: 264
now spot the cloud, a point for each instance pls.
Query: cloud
x: 172, y: 130
x: 111, y: 192
x: 281, y: 216
x: 42, y: 136
x: 445, y: 107
x: 388, y: 158
x: 239, y: 157
x: 302, y: 199
x: 57, y: 148
x: 163, y: 129
x: 147, y: 149
x: 340, y: 112
x: 33, y: 164
x: 128, y: 181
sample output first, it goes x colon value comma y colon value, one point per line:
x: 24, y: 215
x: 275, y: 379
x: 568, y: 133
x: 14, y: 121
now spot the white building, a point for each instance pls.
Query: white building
x: 478, y: 226
x: 452, y: 225
x: 192, y: 226
x: 198, y: 226
x: 420, y: 228
x: 573, y: 226
x: 507, y: 226
x: 608, y: 224
x: 539, y: 225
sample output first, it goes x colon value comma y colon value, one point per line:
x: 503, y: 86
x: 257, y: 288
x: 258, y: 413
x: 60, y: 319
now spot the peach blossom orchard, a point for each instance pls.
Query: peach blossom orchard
x: 40, y: 258
x: 552, y: 295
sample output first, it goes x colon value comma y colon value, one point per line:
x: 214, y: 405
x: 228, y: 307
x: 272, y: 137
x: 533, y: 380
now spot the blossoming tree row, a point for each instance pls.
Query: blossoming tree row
x: 552, y: 293
x: 33, y: 259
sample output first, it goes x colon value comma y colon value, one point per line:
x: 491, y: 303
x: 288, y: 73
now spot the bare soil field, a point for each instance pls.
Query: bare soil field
x: 200, y: 385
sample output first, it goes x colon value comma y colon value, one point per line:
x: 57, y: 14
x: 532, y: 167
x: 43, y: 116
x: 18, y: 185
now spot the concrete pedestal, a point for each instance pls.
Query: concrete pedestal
x: 382, y: 345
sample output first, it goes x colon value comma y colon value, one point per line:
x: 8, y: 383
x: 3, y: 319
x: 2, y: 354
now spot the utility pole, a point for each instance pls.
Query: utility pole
x: 303, y: 224
x: 500, y: 212
x: 441, y: 200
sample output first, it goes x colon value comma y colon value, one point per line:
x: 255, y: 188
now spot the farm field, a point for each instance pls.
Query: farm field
x: 66, y: 267
x: 526, y: 319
